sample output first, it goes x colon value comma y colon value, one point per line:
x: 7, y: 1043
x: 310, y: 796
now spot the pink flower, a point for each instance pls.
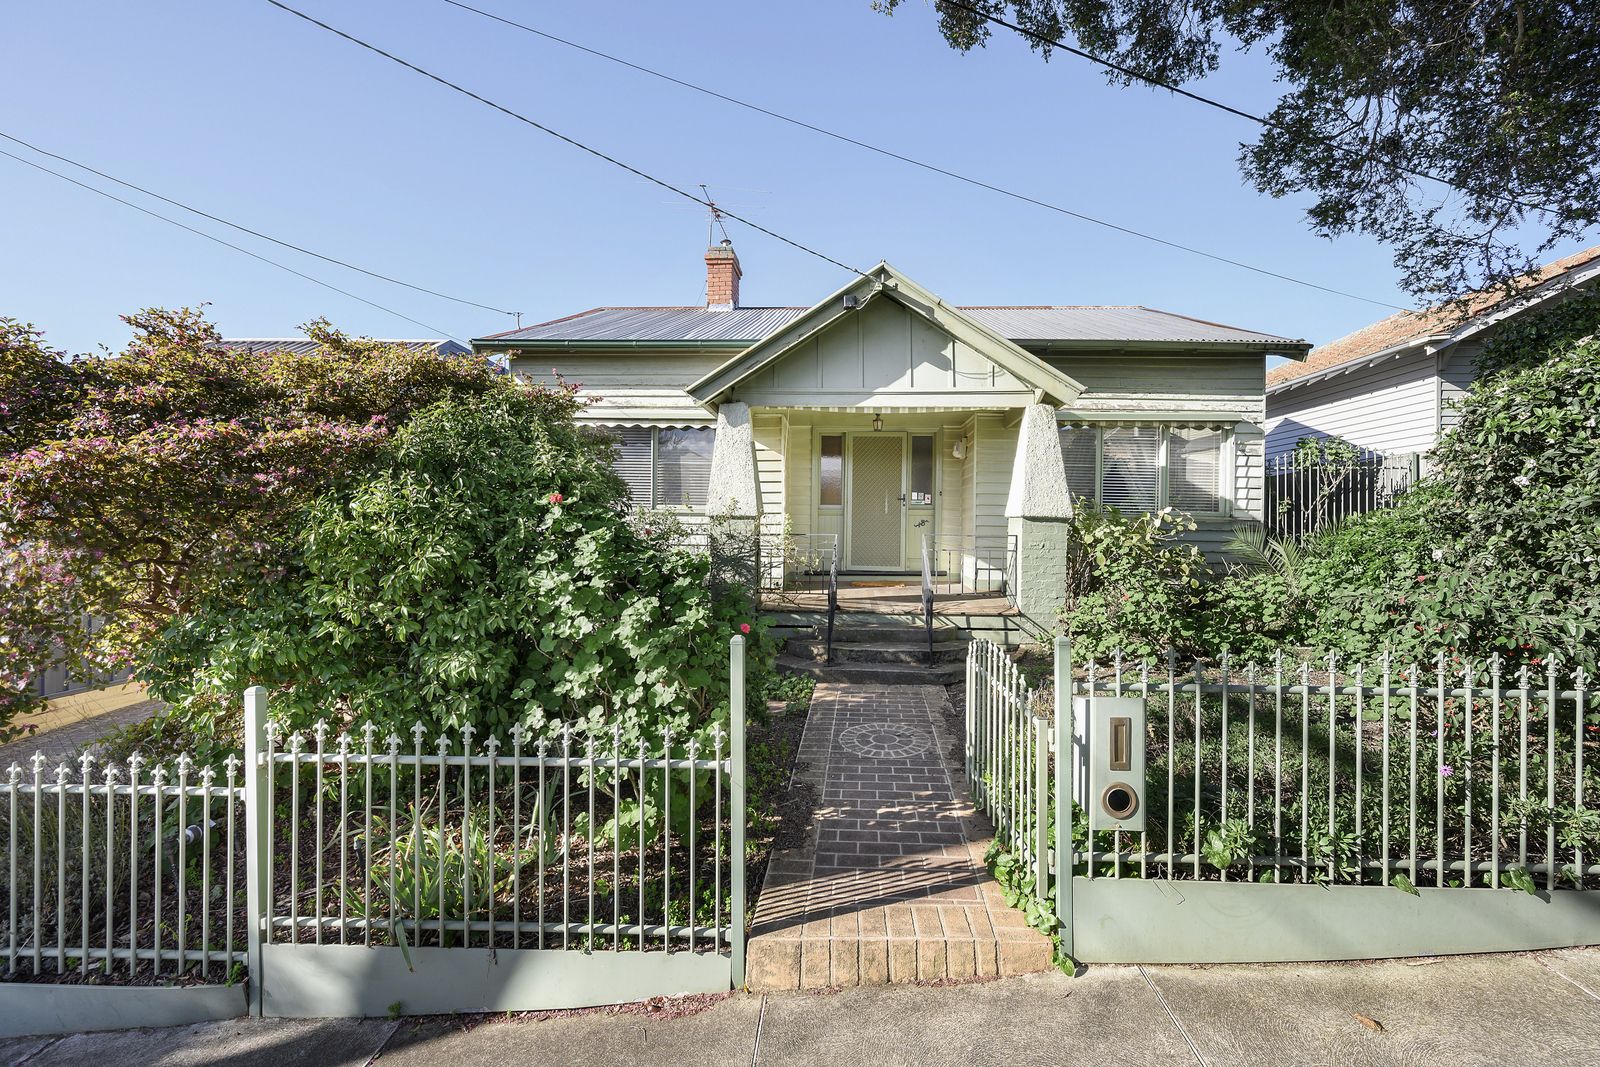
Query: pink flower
x: 555, y: 498
x: 744, y: 627
x: 1446, y: 771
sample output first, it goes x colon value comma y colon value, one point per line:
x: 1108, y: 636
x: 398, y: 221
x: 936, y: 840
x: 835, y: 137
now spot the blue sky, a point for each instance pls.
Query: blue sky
x: 256, y: 116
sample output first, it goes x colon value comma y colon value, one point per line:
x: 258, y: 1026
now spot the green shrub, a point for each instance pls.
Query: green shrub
x: 483, y: 573
x: 1131, y: 585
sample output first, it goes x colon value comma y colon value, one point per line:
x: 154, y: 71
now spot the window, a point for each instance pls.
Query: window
x: 1079, y: 450
x: 1144, y: 468
x: 634, y: 461
x: 922, y: 470
x: 1130, y: 468
x: 1194, y: 469
x: 665, y: 467
x: 831, y: 492
x: 683, y: 467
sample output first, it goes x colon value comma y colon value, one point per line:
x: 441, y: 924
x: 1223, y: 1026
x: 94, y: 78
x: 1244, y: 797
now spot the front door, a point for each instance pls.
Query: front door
x: 877, y: 518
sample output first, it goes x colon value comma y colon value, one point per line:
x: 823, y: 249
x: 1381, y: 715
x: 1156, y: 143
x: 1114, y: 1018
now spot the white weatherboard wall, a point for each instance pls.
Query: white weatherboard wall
x: 1390, y: 406
x: 1458, y: 366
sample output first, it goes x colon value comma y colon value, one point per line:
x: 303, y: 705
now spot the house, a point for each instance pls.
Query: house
x: 1392, y: 387
x: 881, y: 418
x: 303, y: 346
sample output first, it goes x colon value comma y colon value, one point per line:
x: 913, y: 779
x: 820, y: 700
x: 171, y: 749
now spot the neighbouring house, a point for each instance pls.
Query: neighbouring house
x: 303, y: 346
x: 881, y: 419
x: 1392, y: 387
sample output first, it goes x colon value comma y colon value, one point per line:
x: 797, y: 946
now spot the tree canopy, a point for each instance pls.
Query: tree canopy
x: 1466, y: 137
x: 134, y: 485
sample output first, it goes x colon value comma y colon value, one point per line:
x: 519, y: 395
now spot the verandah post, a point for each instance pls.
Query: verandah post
x: 736, y: 803
x: 257, y: 810
x: 1066, y: 761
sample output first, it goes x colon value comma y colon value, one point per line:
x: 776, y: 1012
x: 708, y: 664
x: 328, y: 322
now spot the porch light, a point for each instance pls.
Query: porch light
x: 877, y: 422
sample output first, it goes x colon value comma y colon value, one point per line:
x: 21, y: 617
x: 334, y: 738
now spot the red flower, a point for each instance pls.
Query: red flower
x: 744, y: 627
x: 555, y: 498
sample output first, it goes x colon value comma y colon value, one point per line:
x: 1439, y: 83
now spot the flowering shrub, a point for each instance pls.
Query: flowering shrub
x: 133, y: 486
x: 482, y: 572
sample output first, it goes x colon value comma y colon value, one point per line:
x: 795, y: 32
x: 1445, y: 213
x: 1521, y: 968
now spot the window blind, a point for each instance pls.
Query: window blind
x: 1130, y: 478
x: 1078, y: 453
x: 1194, y: 469
x: 683, y: 466
x: 633, y: 462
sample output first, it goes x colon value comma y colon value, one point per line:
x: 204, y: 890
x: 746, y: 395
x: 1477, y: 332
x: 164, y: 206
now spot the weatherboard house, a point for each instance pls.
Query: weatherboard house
x: 887, y: 422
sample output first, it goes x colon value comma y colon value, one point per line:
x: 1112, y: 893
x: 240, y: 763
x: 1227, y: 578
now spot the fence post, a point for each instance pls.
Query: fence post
x: 736, y: 802
x: 1066, y: 761
x: 257, y: 810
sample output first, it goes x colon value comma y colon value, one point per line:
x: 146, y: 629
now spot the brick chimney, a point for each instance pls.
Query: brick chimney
x: 722, y: 277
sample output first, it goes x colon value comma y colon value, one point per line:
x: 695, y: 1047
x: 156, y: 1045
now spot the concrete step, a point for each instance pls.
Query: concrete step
x: 857, y: 629
x: 945, y: 650
x: 876, y: 673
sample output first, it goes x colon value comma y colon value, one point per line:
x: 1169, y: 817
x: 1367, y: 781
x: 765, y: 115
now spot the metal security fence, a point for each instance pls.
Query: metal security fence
x: 1453, y: 777
x: 128, y: 870
x: 59, y: 680
x: 348, y: 872
x: 1306, y: 493
x: 1453, y: 773
x: 453, y: 843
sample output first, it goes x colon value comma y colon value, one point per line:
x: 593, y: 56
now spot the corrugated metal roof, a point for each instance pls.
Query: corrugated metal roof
x: 301, y: 346
x: 1023, y: 325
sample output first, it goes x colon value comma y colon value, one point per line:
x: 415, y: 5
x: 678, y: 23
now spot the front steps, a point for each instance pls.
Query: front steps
x: 879, y: 650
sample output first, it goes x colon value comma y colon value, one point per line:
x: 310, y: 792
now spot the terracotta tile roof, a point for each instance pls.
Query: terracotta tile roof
x: 1410, y: 326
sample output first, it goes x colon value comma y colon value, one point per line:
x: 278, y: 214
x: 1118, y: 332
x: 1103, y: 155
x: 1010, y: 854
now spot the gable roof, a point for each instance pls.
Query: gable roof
x: 1022, y: 324
x: 1408, y: 329
x: 883, y: 282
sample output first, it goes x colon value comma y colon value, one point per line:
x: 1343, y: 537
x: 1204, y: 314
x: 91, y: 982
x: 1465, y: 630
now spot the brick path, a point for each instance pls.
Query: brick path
x: 65, y: 742
x: 890, y: 884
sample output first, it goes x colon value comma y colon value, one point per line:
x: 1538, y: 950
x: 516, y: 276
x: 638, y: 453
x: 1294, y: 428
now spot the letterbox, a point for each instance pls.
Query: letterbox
x: 1116, y: 789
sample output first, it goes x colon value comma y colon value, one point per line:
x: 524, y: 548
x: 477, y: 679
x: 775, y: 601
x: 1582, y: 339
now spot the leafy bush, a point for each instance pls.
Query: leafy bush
x: 1519, y: 494
x: 133, y: 487
x: 482, y: 573
x: 1130, y: 585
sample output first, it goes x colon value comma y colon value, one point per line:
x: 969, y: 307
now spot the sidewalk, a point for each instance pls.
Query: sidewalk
x: 1529, y: 1010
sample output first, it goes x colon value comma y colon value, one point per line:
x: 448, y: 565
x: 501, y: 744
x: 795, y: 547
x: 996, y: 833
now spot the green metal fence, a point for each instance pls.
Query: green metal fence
x: 1451, y: 775
x: 344, y: 873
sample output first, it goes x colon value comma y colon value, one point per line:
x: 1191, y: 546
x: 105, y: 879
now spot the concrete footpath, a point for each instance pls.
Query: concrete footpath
x: 1528, y: 1010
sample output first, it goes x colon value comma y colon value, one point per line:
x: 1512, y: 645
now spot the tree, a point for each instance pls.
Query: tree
x: 133, y: 486
x: 483, y: 572
x: 1450, y: 132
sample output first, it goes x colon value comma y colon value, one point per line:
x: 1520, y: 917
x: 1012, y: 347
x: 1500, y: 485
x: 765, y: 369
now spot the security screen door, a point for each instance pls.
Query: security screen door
x: 877, y: 501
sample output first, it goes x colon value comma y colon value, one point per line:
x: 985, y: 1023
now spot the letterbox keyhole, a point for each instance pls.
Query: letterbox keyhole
x: 1119, y: 800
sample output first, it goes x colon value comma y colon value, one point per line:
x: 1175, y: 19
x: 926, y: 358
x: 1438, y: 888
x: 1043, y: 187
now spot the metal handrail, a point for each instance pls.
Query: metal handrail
x: 927, y: 595
x: 833, y: 604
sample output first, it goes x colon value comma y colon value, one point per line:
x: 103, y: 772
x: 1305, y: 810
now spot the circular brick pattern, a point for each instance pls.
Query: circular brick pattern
x: 885, y: 740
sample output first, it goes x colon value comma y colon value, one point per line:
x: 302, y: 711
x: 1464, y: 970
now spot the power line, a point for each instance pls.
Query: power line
x: 563, y: 137
x: 248, y: 230
x: 1173, y: 87
x: 923, y: 164
x: 228, y: 244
